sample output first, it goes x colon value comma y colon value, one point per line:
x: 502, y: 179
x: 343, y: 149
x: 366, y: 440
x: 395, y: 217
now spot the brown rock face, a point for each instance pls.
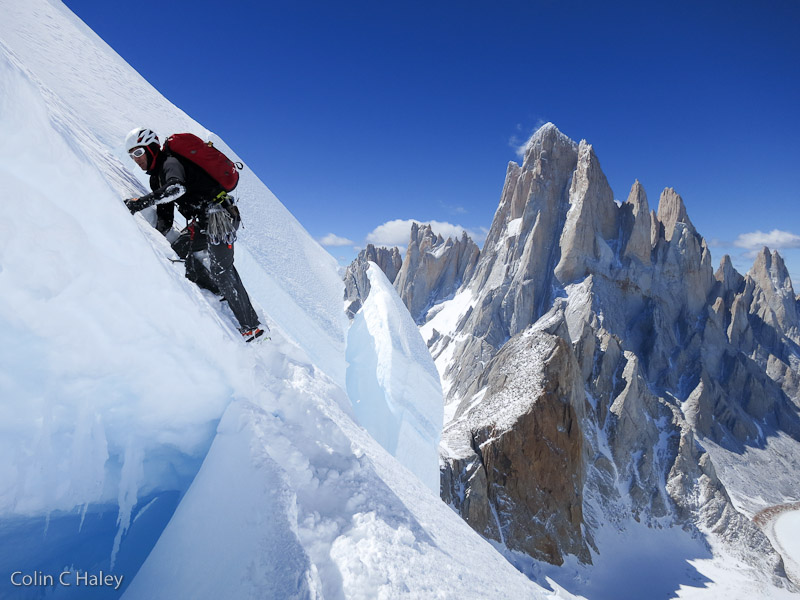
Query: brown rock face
x: 532, y: 465
x: 525, y: 446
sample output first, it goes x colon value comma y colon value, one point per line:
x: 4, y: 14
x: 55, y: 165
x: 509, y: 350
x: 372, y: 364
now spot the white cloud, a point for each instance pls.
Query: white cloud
x: 398, y: 232
x: 335, y: 240
x: 391, y: 233
x: 774, y: 240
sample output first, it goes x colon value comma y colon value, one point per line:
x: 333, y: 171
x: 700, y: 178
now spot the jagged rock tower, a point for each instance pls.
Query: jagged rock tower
x: 599, y: 369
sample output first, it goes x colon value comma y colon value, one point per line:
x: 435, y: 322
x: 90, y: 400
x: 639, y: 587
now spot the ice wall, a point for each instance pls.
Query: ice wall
x: 392, y: 381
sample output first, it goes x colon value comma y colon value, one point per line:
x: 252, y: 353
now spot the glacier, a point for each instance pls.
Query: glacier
x: 139, y: 436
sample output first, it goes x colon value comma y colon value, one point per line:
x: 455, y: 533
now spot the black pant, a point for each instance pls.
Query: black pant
x: 222, y: 278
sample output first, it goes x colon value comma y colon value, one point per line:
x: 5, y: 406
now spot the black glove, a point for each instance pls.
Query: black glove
x: 136, y: 204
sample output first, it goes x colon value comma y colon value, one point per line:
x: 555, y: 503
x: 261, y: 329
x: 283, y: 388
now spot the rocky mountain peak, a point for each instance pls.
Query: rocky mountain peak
x: 726, y: 272
x: 591, y: 220
x: 656, y: 353
x: 636, y: 225
x: 772, y: 266
x: 672, y: 210
x: 773, y: 298
x: 544, y: 143
x: 423, y: 238
x: 729, y: 281
x: 514, y: 275
x: 434, y: 268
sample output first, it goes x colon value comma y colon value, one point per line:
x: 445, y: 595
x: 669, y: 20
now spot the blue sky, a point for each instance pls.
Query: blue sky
x: 358, y: 114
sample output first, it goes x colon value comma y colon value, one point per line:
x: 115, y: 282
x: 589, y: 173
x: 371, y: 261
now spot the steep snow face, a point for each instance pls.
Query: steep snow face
x: 392, y: 381
x: 92, y: 98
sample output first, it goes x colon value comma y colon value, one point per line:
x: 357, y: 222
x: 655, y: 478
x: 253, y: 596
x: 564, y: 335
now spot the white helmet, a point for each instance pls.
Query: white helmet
x: 140, y: 136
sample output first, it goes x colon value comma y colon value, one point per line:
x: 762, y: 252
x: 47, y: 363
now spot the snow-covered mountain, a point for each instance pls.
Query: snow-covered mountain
x: 144, y: 449
x: 606, y: 391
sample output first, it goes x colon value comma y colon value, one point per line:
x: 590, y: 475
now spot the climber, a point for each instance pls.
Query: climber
x: 175, y: 180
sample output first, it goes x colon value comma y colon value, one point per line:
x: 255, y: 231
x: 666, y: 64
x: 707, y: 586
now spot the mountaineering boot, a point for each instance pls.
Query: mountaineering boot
x: 252, y: 334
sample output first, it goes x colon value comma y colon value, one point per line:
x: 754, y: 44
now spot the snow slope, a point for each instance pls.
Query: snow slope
x: 132, y: 417
x: 91, y: 95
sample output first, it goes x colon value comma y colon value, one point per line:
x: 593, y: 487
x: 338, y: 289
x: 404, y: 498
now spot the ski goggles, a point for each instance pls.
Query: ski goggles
x: 137, y: 152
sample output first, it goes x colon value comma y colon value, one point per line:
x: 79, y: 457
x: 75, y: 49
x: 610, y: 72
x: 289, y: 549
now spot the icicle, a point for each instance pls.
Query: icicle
x: 83, y: 516
x: 130, y: 477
